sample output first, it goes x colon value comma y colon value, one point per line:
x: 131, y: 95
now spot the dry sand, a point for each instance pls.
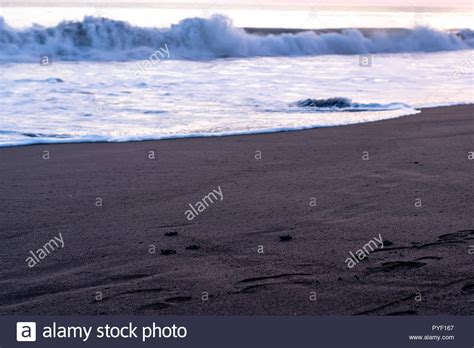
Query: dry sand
x: 425, y: 267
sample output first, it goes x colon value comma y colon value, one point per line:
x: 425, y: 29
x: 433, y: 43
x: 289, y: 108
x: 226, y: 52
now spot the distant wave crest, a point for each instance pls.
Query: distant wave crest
x: 103, y: 39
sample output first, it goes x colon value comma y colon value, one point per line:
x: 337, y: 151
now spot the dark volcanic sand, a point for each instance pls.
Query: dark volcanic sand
x: 265, y: 201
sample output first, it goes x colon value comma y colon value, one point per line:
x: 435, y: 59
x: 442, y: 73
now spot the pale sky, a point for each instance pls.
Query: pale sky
x: 304, y: 14
x: 251, y: 3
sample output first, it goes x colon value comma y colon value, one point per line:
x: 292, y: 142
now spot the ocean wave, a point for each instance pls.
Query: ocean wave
x: 338, y: 104
x: 102, y: 39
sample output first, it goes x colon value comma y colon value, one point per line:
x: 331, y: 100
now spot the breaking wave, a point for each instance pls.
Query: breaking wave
x: 102, y: 39
x: 345, y: 104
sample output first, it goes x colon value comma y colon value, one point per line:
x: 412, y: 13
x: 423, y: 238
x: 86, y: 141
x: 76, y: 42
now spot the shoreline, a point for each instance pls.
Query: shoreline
x: 290, y: 209
x: 248, y: 133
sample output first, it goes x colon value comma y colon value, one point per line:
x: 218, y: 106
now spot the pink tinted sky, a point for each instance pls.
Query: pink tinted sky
x: 263, y: 3
x: 375, y: 3
x: 328, y: 3
x: 315, y: 14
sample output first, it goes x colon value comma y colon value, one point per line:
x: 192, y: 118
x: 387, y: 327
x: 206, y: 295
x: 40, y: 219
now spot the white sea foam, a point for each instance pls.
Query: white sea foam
x: 339, y: 120
x: 101, y: 39
x: 97, y: 98
x: 104, y: 102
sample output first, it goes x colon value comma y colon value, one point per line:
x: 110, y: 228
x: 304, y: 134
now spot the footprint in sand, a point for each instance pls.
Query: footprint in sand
x: 178, y: 299
x: 168, y: 252
x: 429, y: 258
x: 285, y: 238
x: 468, y: 289
x: 397, y: 266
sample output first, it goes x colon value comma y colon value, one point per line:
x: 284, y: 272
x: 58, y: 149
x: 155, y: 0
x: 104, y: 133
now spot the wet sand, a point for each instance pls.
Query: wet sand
x: 277, y: 242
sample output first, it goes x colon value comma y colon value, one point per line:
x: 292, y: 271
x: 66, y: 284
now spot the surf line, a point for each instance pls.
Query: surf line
x: 204, y: 203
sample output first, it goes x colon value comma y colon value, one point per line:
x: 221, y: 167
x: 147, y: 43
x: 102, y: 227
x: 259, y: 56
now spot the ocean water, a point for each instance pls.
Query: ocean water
x: 106, y: 80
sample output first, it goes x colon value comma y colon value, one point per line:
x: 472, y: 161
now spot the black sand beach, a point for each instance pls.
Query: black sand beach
x: 138, y: 253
